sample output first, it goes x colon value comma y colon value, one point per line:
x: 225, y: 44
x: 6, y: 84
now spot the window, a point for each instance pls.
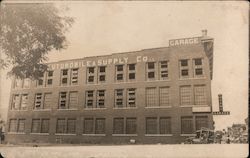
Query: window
x: 186, y: 125
x: 13, y: 125
x: 165, y: 125
x: 184, y: 69
x: 131, y: 71
x: 89, y: 99
x: 65, y: 125
x: 26, y: 83
x: 131, y: 97
x: 38, y: 101
x: 200, y: 95
x: 201, y: 122
x: 40, y: 80
x: 73, y: 100
x: 45, y: 126
x: 102, y: 69
x: 24, y: 101
x: 151, y: 97
x: 88, y: 126
x: 185, y: 95
x: 64, y: 76
x: 118, y: 126
x: 63, y: 100
x: 119, y: 67
x: 47, y: 100
x: 74, y: 76
x: 119, y: 77
x: 151, y: 70
x: 21, y: 126
x: 60, y: 126
x: 119, y: 72
x: 131, y: 126
x: 198, y: 67
x: 91, y: 74
x: 49, y: 78
x: 35, y: 128
x: 151, y: 65
x: 102, y: 75
x: 100, y: 99
x: 18, y: 83
x: 131, y: 76
x: 71, y: 126
x: 91, y: 79
x: 100, y: 126
x: 16, y: 102
x: 151, y: 125
x: 102, y: 78
x: 163, y: 70
x: 119, y: 98
x: 164, y: 96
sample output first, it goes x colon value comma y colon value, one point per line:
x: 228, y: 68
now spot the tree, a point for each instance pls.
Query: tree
x: 28, y: 32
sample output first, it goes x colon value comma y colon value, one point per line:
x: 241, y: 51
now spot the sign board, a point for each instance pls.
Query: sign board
x: 98, y: 62
x: 201, y: 109
x: 184, y: 41
x: 221, y: 113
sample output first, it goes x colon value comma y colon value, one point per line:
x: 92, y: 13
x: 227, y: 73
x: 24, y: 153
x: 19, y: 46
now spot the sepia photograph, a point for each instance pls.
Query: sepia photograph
x: 124, y: 79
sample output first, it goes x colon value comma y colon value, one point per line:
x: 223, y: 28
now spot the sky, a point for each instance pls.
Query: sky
x: 102, y: 28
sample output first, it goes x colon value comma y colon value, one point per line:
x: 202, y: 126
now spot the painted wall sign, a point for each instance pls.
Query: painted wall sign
x: 98, y: 62
x: 184, y: 41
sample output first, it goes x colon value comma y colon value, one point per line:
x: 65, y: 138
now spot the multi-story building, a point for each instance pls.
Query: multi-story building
x: 158, y: 95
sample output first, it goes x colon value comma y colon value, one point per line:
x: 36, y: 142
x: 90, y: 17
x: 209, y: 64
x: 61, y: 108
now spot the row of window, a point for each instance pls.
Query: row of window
x: 124, y: 98
x: 127, y: 125
x: 98, y: 74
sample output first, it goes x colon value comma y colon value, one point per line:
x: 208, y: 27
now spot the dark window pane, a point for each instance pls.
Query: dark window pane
x: 201, y: 121
x: 50, y: 73
x: 21, y: 126
x: 100, y: 126
x: 184, y: 62
x: 102, y: 78
x: 91, y: 69
x: 198, y: 62
x: 131, y: 126
x: 49, y: 81
x: 119, y: 77
x: 91, y: 79
x: 151, y: 65
x: 71, y: 126
x: 40, y: 82
x: 131, y: 76
x: 118, y: 126
x: 119, y: 67
x: 64, y: 81
x: 45, y: 126
x: 151, y: 74
x: 60, y: 128
x: 186, y: 125
x: 151, y: 125
x: 184, y: 72
x: 35, y: 126
x: 102, y: 68
x: 90, y: 93
x: 65, y: 72
x: 165, y: 126
x: 164, y: 64
x: 198, y: 71
x: 131, y: 66
x: 88, y: 127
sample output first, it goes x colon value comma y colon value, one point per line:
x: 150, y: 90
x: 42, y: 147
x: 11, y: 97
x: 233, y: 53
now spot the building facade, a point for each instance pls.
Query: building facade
x: 159, y: 95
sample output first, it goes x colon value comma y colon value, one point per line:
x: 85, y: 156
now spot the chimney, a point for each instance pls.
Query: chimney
x: 204, y: 33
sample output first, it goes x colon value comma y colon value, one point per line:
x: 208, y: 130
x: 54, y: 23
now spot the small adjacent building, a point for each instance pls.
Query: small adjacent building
x: 158, y: 95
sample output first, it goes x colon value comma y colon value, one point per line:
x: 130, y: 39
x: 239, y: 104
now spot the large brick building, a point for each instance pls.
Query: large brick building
x: 158, y: 95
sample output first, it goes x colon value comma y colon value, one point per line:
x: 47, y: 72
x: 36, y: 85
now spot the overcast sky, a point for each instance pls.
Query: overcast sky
x: 110, y: 27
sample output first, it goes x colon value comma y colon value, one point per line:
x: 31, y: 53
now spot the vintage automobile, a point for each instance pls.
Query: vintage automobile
x: 203, y: 136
